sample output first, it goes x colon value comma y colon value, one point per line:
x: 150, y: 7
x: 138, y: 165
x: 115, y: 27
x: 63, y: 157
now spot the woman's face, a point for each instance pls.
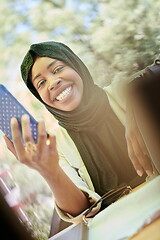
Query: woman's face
x: 58, y: 85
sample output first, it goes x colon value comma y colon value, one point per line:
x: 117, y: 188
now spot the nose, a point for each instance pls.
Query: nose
x: 54, y: 84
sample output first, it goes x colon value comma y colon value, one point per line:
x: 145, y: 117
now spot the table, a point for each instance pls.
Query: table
x: 150, y: 232
x: 123, y: 219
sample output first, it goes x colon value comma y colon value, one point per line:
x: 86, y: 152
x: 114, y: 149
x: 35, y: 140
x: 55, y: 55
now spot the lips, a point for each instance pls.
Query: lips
x: 61, y: 93
x: 64, y: 94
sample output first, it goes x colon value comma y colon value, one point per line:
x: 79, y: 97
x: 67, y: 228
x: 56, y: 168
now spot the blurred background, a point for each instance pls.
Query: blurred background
x: 114, y: 39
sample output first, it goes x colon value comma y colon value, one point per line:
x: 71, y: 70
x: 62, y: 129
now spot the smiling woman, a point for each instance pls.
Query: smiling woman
x: 98, y: 146
x: 58, y: 85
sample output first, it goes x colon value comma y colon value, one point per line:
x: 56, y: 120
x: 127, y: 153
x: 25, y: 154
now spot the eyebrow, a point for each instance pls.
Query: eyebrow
x: 52, y: 63
x: 39, y: 74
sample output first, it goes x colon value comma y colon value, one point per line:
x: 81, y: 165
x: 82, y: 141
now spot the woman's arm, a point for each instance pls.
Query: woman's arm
x: 143, y: 103
x: 45, y: 160
x: 136, y: 144
x: 68, y: 197
x: 123, y: 103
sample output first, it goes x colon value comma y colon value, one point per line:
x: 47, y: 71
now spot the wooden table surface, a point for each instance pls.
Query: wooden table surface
x: 151, y: 231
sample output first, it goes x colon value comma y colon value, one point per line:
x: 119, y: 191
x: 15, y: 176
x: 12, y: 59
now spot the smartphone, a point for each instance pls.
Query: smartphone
x: 10, y: 107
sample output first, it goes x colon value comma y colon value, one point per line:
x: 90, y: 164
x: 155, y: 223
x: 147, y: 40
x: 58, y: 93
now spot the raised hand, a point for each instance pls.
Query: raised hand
x: 137, y: 149
x: 42, y: 156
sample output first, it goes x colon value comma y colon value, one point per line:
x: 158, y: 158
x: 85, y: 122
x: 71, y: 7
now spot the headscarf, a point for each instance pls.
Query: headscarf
x: 91, y: 125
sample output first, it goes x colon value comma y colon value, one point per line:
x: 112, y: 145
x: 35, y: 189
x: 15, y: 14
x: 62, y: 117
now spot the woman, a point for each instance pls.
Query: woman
x: 91, y: 155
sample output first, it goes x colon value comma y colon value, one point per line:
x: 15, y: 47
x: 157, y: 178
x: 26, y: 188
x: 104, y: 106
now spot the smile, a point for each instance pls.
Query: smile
x: 64, y: 94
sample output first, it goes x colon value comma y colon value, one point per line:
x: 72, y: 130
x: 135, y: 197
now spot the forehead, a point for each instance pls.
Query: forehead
x: 43, y: 60
x: 43, y: 63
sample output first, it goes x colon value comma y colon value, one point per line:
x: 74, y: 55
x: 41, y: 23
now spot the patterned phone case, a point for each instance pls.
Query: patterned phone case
x: 10, y: 107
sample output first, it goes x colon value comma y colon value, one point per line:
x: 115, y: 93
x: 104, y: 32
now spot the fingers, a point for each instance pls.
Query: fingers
x: 134, y: 159
x: 143, y: 155
x: 33, y: 155
x: 142, y: 145
x: 42, y: 137
x: 26, y: 128
x: 45, y: 142
x: 10, y: 145
x: 28, y: 152
x: 139, y: 158
x: 52, y: 144
x: 16, y: 135
x: 54, y: 157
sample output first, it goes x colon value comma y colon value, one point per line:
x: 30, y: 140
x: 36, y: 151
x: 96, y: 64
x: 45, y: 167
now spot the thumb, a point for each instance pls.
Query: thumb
x: 10, y: 145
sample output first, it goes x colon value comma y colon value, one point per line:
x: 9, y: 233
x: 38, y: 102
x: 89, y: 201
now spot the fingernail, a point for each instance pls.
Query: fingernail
x: 140, y: 173
x: 25, y: 117
x: 13, y: 120
x: 47, y: 142
x: 149, y: 172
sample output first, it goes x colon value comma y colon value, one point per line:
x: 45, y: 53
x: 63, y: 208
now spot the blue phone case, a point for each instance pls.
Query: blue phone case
x: 10, y: 107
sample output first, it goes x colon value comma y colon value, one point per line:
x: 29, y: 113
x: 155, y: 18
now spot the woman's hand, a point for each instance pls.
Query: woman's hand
x: 10, y: 145
x: 137, y: 150
x: 42, y: 156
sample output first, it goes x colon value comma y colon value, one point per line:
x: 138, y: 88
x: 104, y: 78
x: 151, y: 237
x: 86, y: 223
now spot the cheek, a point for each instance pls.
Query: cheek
x: 44, y: 96
x: 80, y: 84
x: 78, y: 80
x: 72, y: 74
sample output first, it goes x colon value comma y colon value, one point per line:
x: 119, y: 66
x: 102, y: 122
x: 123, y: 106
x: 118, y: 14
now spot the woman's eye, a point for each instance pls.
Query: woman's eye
x: 40, y: 83
x: 58, y: 69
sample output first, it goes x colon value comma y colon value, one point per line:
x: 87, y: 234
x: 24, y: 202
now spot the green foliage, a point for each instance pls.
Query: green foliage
x: 117, y: 37
x: 114, y: 39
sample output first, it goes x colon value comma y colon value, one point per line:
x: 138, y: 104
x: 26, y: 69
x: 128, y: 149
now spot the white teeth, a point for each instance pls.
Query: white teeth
x: 63, y: 94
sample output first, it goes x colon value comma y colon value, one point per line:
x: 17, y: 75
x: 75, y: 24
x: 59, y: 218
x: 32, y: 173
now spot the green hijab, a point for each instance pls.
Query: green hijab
x: 94, y: 128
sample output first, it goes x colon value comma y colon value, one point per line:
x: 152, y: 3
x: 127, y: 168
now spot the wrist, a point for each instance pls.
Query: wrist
x: 52, y: 175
